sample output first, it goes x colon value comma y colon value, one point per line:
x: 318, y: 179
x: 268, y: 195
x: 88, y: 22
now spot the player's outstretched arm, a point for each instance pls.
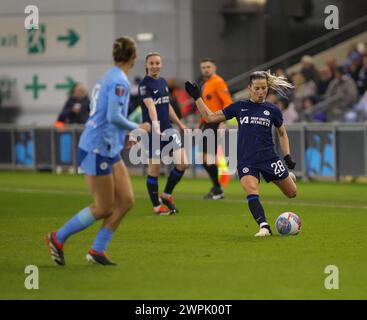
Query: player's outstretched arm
x: 210, y: 117
x: 114, y: 116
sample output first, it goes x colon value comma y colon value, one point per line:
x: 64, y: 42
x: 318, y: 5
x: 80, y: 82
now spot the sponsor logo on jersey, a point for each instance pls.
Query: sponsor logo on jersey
x: 267, y: 113
x: 143, y: 90
x: 244, y: 120
x: 161, y: 100
x: 255, y: 120
x: 119, y: 90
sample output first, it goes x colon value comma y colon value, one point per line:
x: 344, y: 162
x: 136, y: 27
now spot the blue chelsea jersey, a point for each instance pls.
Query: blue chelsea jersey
x: 109, y: 100
x: 157, y: 90
x: 255, y: 120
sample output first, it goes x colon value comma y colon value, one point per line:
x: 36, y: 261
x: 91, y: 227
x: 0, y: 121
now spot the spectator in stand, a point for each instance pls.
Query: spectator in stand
x: 288, y: 109
x: 362, y: 77
x: 332, y: 64
x: 280, y: 72
x: 302, y: 89
x: 76, y: 108
x: 308, y: 70
x: 354, y: 69
x: 361, y: 108
x: 354, y: 57
x: 345, y: 88
x: 309, y: 113
x: 272, y: 97
x: 326, y: 76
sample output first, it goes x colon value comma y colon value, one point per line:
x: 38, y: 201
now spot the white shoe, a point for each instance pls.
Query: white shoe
x: 263, y: 232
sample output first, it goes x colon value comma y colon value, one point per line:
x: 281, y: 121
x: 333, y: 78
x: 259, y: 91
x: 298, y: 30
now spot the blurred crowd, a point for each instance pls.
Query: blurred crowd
x: 332, y: 93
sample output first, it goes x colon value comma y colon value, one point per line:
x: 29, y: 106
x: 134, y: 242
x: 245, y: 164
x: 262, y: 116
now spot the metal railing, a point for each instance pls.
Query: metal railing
x: 326, y: 151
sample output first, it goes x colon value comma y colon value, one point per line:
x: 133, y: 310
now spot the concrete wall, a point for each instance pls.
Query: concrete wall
x: 235, y: 40
x: 170, y: 22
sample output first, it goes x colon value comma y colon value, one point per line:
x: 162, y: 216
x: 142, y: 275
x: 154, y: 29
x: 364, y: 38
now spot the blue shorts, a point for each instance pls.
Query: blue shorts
x: 94, y: 164
x: 271, y: 170
x: 154, y: 152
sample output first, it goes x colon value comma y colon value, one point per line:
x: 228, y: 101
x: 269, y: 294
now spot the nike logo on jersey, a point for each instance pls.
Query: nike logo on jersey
x: 244, y: 109
x: 155, y: 91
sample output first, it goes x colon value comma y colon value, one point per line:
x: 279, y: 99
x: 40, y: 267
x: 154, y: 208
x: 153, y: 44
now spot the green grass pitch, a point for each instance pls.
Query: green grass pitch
x: 207, y: 251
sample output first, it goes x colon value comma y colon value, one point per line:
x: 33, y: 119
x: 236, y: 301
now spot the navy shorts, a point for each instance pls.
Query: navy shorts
x: 94, y: 164
x: 271, y: 170
x: 156, y: 151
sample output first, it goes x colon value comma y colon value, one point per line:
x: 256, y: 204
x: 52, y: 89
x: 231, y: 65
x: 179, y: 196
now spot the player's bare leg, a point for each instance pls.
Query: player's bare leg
x: 181, y: 164
x: 287, y: 186
x: 180, y: 159
x: 124, y: 200
x: 101, y: 188
x: 250, y: 184
x: 154, y: 169
x: 124, y: 196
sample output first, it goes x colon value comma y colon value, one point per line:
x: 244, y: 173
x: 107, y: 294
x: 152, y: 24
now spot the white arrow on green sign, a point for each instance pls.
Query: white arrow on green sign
x: 72, y: 37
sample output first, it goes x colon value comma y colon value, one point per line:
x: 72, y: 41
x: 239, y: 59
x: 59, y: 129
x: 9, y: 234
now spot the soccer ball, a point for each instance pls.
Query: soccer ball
x: 288, y: 223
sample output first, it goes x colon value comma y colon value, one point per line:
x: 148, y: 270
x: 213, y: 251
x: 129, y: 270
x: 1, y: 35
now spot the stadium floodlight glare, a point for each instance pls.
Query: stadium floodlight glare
x: 145, y: 37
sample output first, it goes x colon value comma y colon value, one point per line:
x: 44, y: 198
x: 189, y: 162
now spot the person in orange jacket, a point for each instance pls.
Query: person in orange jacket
x: 216, y: 96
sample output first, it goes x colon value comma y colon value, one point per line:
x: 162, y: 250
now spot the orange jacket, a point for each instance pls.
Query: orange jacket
x: 215, y: 94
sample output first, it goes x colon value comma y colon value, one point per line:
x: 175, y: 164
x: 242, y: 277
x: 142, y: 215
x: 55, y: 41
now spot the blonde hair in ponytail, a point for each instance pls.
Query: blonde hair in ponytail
x: 278, y: 84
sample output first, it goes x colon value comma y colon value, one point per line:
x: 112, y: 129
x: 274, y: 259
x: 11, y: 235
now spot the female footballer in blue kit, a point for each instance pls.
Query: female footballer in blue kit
x: 99, y: 158
x: 157, y: 110
x: 255, y: 147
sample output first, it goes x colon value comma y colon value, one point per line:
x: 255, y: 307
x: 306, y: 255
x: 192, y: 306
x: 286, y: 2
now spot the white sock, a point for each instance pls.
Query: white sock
x: 263, y: 224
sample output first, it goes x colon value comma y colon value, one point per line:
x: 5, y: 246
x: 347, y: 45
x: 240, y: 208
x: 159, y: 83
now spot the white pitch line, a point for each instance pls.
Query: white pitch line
x: 192, y: 198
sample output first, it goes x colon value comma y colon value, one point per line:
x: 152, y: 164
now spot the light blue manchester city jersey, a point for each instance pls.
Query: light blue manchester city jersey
x: 104, y: 132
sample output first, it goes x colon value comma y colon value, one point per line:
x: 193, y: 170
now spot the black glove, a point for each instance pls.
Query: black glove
x: 289, y: 162
x: 193, y: 90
